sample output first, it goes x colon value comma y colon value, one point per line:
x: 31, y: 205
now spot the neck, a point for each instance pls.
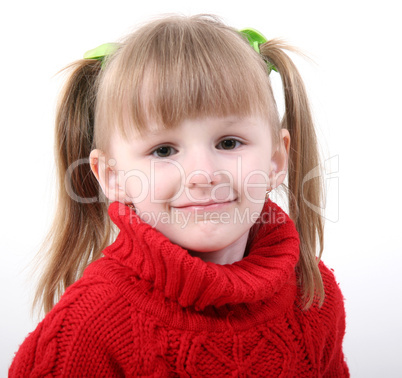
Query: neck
x: 227, y: 255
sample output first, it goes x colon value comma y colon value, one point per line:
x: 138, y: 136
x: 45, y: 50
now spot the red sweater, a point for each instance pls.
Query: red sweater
x: 147, y: 308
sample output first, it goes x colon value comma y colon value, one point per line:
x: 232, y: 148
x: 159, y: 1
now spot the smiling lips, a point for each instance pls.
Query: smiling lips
x: 207, y: 205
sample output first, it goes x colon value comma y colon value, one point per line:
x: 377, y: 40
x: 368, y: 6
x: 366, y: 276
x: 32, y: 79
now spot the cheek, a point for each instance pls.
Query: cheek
x: 224, y: 191
x: 255, y: 182
x: 136, y: 186
x: 166, y: 180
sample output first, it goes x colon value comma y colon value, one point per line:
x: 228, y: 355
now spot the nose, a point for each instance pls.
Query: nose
x: 200, y: 178
x: 202, y: 171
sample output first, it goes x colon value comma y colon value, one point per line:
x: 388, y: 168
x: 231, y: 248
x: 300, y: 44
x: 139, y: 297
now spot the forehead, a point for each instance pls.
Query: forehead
x: 215, y: 122
x: 178, y: 71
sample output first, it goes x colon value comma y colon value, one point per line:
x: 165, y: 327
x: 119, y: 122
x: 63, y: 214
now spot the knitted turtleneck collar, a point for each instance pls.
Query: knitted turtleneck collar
x: 190, y: 281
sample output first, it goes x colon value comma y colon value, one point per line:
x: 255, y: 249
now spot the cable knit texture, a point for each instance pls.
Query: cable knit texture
x: 148, y: 308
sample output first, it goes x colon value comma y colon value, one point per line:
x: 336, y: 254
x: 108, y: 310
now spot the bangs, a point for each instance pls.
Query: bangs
x: 181, y: 68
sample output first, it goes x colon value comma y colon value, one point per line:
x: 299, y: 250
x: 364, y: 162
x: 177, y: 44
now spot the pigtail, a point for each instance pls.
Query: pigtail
x: 81, y: 228
x: 305, y: 189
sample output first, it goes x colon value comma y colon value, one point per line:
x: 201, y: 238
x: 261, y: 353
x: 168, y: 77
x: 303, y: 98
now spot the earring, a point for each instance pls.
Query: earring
x: 131, y: 206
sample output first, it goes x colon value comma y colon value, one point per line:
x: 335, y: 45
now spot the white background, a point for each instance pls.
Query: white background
x: 355, y: 90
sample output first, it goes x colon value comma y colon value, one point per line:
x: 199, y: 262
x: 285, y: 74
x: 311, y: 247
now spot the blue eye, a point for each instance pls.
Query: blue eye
x: 229, y: 144
x: 164, y: 151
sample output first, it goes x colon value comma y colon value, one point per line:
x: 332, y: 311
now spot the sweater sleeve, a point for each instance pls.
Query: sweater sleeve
x: 76, y: 339
x: 333, y: 360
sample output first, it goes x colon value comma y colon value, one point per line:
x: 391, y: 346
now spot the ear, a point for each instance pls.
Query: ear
x: 279, y: 160
x: 106, y: 176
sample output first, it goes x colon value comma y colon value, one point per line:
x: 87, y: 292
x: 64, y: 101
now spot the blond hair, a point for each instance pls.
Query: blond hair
x: 170, y: 70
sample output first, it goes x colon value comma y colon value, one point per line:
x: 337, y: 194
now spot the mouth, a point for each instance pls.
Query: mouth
x: 203, y: 206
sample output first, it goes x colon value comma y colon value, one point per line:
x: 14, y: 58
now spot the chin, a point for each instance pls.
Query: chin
x: 206, y: 237
x: 202, y: 247
x: 205, y: 244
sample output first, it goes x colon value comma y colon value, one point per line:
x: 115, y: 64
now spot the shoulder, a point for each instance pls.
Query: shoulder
x: 80, y: 331
x: 332, y: 312
x: 330, y: 316
x: 94, y: 303
x: 95, y: 295
x: 333, y: 318
x: 333, y: 293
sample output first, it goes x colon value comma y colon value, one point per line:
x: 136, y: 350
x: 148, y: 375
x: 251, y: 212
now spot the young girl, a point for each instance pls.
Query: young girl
x: 207, y: 276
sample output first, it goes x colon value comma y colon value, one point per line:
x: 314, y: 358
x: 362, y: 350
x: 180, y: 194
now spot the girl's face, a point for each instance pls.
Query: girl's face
x: 201, y: 184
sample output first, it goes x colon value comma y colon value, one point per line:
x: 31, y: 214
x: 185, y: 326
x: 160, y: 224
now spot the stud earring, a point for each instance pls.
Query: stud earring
x: 131, y: 206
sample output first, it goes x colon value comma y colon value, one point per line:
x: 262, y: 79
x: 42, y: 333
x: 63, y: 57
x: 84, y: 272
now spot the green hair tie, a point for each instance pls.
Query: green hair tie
x: 102, y: 51
x: 255, y: 39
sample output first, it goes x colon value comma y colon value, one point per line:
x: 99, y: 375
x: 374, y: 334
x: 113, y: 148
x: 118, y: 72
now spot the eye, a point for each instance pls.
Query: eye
x: 164, y: 151
x: 229, y: 144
